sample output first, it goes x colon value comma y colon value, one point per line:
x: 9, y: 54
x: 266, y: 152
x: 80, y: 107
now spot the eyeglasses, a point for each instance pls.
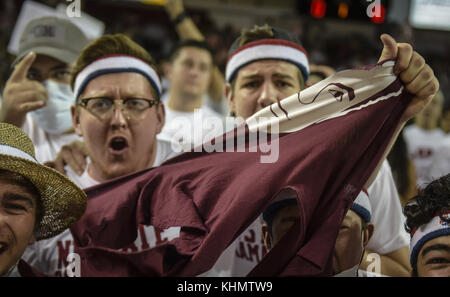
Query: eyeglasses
x: 104, y: 108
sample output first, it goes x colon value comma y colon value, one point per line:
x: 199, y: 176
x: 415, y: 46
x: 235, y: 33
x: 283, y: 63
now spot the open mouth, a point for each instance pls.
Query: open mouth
x: 3, y: 247
x: 118, y: 144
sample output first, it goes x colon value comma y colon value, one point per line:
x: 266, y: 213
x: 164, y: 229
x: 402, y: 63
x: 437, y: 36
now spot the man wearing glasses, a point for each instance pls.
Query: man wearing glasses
x: 117, y: 110
x: 118, y: 113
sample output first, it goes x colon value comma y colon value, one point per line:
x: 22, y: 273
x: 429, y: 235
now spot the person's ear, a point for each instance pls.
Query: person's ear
x: 76, y: 119
x: 161, y: 115
x: 230, y: 98
x: 266, y: 236
x: 368, y: 232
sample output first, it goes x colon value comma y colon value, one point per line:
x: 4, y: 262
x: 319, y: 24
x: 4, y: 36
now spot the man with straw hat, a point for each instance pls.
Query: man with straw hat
x: 36, y: 202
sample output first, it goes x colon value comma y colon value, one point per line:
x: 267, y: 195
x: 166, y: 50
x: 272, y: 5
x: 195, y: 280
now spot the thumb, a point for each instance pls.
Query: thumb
x: 389, y: 47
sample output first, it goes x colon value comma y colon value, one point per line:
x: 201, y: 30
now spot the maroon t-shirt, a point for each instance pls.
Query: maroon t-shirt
x: 214, y: 196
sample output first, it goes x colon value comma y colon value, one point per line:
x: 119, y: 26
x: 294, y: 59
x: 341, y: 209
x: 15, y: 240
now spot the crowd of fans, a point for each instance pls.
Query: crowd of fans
x: 140, y: 88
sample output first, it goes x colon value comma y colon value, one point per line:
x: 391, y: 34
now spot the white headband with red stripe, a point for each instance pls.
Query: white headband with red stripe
x: 435, y: 228
x: 114, y: 64
x: 266, y: 49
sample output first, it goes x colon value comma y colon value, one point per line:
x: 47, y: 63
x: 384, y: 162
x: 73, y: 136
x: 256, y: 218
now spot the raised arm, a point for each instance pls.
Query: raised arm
x: 186, y: 29
x: 416, y: 75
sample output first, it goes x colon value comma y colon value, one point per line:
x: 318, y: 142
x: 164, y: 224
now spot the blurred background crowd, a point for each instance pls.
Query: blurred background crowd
x: 329, y: 38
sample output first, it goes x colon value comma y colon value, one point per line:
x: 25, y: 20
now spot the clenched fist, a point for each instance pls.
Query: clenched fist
x: 413, y: 71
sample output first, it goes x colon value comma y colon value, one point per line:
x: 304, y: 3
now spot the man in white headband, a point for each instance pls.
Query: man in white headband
x: 37, y: 96
x: 118, y: 113
x: 266, y: 65
x: 428, y: 221
x: 354, y: 233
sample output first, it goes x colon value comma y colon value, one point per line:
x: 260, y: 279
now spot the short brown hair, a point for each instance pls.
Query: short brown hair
x: 111, y: 45
x: 257, y: 33
x: 190, y: 43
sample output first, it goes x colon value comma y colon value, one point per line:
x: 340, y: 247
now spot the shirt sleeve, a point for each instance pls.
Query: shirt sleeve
x: 389, y: 234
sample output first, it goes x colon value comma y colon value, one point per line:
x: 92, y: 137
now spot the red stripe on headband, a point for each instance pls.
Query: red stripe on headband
x: 414, y: 231
x: 437, y: 214
x: 365, y: 191
x: 440, y: 213
x: 269, y: 41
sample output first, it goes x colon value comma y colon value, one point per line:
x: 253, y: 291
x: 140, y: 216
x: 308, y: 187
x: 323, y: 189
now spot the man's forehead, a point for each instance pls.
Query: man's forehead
x: 272, y: 67
x: 352, y: 217
x: 193, y: 51
x: 113, y: 91
x: 288, y: 211
x: 441, y: 240
x: 118, y: 83
x: 12, y: 187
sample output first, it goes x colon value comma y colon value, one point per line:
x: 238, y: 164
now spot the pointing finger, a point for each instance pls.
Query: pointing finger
x: 21, y: 69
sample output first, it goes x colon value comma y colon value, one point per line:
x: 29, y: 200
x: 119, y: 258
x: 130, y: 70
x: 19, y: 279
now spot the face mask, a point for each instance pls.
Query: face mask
x: 55, y: 117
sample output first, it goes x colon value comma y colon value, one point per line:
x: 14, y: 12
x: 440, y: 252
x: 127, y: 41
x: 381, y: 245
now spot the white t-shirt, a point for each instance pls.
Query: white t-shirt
x: 192, y: 128
x: 221, y: 108
x: 421, y: 146
x: 440, y: 165
x: 53, y: 256
x: 389, y: 234
x: 46, y: 145
x: 387, y: 214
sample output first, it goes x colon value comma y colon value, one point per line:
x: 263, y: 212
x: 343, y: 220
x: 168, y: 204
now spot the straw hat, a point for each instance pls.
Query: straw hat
x: 63, y: 203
